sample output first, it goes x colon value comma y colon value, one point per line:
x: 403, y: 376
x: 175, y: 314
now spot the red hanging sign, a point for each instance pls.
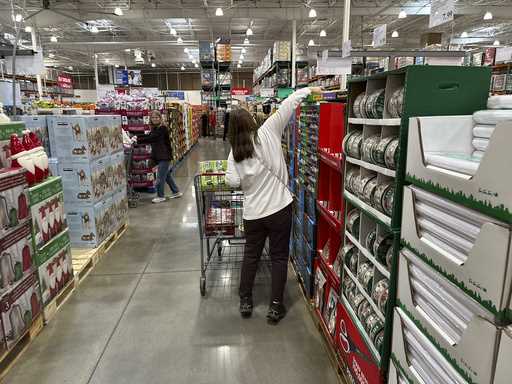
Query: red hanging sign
x: 240, y: 91
x: 64, y: 81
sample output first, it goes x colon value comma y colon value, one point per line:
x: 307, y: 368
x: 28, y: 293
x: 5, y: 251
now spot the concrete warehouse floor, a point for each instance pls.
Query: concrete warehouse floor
x: 139, y: 316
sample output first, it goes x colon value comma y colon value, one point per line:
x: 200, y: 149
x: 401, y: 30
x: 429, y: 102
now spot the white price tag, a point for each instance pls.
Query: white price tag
x: 379, y: 36
x: 441, y: 11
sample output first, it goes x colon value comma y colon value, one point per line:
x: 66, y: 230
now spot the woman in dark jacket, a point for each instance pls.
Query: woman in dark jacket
x: 161, y: 154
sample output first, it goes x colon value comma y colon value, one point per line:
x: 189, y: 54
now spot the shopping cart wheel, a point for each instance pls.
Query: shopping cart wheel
x: 219, y: 250
x: 202, y: 286
x: 132, y: 204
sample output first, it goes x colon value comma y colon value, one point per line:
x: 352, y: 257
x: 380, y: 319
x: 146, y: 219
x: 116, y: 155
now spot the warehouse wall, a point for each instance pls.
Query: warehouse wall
x: 187, y: 81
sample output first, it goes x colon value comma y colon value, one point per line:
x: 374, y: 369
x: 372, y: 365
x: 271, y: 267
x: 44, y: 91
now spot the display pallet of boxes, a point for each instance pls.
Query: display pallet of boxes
x: 454, y: 283
x: 20, y: 301
x: 375, y: 155
x: 93, y: 174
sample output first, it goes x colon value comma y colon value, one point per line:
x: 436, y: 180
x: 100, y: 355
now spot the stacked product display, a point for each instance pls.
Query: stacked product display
x: 453, y: 316
x: 89, y: 151
x: 374, y: 148
x: 178, y: 134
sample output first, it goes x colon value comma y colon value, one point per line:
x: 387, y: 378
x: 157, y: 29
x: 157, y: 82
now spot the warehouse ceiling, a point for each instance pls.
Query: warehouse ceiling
x: 85, y: 28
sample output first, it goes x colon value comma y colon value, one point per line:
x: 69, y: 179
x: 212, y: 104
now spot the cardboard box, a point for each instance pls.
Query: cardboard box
x: 415, y: 355
x: 87, y: 183
x: 16, y: 260
x: 484, y: 272
x: 14, y: 203
x: 6, y: 130
x: 38, y: 125
x: 452, y: 321
x: 115, y: 136
x: 503, y: 371
x: 55, y: 268
x: 282, y: 51
x: 89, y: 225
x: 120, y: 206
x: 79, y: 138
x: 354, y: 351
x: 47, y: 208
x: 488, y: 190
x: 118, y: 171
x: 18, y: 308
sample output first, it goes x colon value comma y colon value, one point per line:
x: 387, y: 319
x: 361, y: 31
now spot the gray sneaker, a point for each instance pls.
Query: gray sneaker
x: 175, y: 195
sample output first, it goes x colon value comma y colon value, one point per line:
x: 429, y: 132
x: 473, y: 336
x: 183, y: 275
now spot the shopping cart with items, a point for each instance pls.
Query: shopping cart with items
x: 220, y: 222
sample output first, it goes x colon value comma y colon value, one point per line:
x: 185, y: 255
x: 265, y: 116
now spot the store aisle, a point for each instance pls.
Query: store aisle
x: 139, y: 317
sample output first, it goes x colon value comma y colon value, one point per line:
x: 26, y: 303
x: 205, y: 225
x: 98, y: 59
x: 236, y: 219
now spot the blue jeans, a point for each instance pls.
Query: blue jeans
x: 164, y: 176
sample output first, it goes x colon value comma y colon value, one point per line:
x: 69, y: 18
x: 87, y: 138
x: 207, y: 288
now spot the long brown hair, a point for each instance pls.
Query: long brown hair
x: 242, y: 134
x: 156, y: 112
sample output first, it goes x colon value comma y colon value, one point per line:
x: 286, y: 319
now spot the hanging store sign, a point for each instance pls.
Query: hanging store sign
x: 267, y: 92
x: 178, y: 95
x: 64, y: 81
x: 441, y: 11
x: 121, y: 76
x: 240, y: 91
x: 379, y: 36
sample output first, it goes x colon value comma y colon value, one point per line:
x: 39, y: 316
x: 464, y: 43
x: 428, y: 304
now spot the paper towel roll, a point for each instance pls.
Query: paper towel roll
x: 492, y: 116
x: 483, y: 131
x: 499, y: 102
x: 480, y: 144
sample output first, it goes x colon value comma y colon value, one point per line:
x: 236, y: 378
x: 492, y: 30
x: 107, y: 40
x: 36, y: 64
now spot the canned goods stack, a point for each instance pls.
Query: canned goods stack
x: 374, y: 153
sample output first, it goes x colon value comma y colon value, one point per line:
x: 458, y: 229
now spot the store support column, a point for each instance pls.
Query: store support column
x: 294, y: 52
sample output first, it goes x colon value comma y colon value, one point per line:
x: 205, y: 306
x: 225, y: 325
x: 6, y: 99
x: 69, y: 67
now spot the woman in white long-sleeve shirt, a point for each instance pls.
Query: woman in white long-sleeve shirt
x: 256, y: 163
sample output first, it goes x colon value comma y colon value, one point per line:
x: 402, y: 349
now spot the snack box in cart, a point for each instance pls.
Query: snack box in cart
x: 79, y: 138
x: 16, y: 258
x: 14, y: 203
x: 55, y: 267
x: 468, y: 248
x: 47, y: 208
x: 6, y: 130
x: 484, y: 191
x: 19, y: 308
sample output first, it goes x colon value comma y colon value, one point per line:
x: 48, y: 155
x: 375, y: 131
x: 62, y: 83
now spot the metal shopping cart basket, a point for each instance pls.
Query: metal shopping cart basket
x: 133, y: 197
x: 220, y: 222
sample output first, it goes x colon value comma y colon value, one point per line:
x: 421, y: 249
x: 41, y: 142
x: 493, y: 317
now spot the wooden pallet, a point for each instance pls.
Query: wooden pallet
x: 9, y: 358
x: 51, y: 308
x: 84, y: 260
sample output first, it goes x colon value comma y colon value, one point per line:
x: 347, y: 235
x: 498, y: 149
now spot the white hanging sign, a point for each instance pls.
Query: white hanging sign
x: 379, y: 36
x: 441, y: 11
x: 334, y: 66
x: 267, y: 92
x: 346, y: 49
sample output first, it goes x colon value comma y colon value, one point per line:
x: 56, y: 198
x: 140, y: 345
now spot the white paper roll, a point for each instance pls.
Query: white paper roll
x: 483, y: 131
x: 453, y: 162
x: 480, y: 144
x: 499, y: 102
x: 492, y: 116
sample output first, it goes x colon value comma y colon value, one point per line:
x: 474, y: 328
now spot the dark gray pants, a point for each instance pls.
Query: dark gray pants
x: 277, y: 228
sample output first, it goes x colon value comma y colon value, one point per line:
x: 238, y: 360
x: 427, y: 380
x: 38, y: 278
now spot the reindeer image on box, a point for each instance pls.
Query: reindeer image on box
x: 14, y: 208
x: 118, y: 170
x: 89, y: 225
x: 16, y: 261
x: 47, y: 207
x: 78, y: 138
x: 18, y: 309
x: 55, y: 267
x: 115, y: 136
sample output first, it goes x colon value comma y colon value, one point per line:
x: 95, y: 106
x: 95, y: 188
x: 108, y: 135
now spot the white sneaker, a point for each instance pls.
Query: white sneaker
x: 157, y: 200
x: 175, y: 195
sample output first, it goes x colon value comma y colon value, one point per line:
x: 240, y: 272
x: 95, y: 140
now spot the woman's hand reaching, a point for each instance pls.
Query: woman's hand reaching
x: 315, y: 90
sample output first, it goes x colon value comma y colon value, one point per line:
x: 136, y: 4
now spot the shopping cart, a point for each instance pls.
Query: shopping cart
x: 133, y: 197
x: 220, y: 222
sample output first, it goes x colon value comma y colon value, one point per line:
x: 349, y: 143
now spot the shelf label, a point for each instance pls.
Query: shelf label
x: 379, y: 36
x: 441, y: 11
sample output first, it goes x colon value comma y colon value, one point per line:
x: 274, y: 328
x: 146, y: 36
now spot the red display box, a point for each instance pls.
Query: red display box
x: 353, y: 350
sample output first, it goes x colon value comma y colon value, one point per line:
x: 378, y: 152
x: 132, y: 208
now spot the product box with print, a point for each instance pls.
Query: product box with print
x: 14, y: 204
x: 90, y: 225
x: 6, y: 130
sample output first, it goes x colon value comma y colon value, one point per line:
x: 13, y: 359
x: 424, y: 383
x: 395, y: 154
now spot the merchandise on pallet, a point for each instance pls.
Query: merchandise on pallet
x: 375, y: 153
x: 15, y: 208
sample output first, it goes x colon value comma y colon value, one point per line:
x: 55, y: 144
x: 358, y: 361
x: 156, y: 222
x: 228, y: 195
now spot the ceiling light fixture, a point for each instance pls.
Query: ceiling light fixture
x: 464, y: 34
x: 127, y: 50
x: 312, y: 12
x: 18, y: 18
x: 240, y: 61
x: 180, y: 40
x: 70, y: 67
x: 107, y: 60
x: 239, y: 66
x: 488, y: 16
x: 194, y: 61
x: 402, y: 15
x: 153, y: 65
x: 28, y: 29
x: 249, y: 32
x: 94, y: 29
x: 173, y: 31
x: 246, y: 41
x: 196, y: 65
x: 242, y: 56
x: 311, y: 43
x: 395, y: 34
x: 323, y: 33
x: 51, y: 55
x: 53, y: 39
x: 219, y: 12
x: 118, y: 11
x: 244, y: 50
x: 117, y: 65
x: 496, y: 43
x: 182, y: 67
x: 185, y: 50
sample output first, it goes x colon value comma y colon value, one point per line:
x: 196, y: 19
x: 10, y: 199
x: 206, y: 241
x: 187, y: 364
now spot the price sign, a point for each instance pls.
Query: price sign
x: 441, y: 11
x: 379, y: 36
